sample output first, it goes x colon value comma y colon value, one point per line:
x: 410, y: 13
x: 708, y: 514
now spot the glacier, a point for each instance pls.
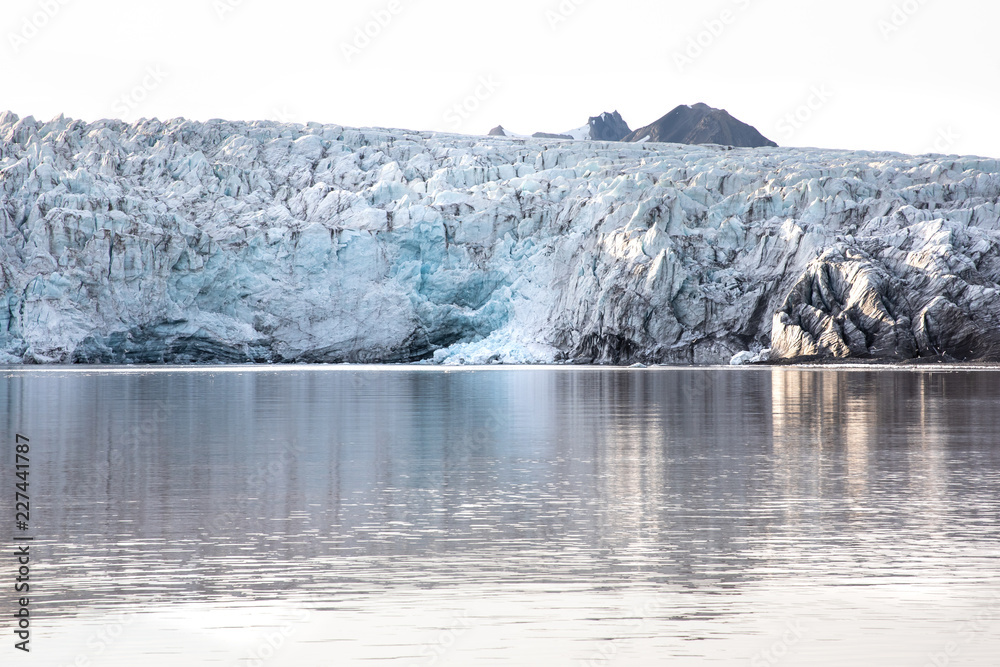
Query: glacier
x: 182, y: 242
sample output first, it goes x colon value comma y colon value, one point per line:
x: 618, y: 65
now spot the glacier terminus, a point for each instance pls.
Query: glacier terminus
x: 181, y: 241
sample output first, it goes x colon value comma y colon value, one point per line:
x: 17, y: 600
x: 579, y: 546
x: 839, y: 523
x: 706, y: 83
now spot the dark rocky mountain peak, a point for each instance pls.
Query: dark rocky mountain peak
x: 608, y: 127
x: 701, y: 124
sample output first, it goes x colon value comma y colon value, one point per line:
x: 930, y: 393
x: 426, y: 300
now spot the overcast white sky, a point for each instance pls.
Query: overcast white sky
x: 907, y: 75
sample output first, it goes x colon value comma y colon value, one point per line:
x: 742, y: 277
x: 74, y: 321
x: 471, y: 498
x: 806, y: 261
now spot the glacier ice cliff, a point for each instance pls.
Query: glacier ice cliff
x: 184, y: 241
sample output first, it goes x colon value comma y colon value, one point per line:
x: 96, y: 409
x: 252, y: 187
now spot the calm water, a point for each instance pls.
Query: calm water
x: 315, y: 517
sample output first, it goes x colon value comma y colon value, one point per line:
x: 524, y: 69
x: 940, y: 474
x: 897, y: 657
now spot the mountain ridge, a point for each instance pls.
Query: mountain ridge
x: 694, y: 125
x: 701, y: 124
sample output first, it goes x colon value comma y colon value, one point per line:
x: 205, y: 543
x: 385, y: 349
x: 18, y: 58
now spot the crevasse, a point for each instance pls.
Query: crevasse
x: 183, y: 241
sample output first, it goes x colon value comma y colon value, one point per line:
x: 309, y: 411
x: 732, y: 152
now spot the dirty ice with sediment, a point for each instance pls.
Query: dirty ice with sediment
x: 183, y: 241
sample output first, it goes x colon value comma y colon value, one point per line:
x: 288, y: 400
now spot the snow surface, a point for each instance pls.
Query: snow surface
x: 232, y: 241
x: 515, y: 135
x: 579, y: 133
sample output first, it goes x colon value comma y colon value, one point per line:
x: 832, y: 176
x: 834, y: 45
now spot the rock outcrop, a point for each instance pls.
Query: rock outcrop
x: 549, y: 135
x: 608, y: 127
x: 701, y: 124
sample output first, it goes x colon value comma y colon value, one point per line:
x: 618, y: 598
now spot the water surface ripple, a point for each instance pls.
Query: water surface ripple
x: 551, y: 516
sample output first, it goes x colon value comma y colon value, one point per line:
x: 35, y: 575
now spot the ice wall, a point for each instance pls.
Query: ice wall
x: 182, y: 241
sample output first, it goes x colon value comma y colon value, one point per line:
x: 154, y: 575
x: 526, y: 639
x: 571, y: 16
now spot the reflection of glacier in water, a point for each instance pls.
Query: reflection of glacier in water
x: 523, y: 516
x: 223, y: 241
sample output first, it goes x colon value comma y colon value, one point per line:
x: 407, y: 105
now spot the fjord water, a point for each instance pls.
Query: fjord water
x: 545, y: 516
